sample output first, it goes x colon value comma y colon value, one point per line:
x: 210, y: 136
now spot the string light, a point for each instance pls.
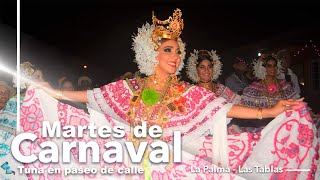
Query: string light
x: 299, y: 52
x: 241, y: 60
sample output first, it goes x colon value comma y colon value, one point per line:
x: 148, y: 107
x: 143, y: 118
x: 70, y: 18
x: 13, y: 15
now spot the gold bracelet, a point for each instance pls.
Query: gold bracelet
x: 259, y: 113
x: 59, y: 95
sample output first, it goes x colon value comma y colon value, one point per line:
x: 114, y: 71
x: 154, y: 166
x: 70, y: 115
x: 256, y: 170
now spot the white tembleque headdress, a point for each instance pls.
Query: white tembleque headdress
x: 259, y: 70
x: 192, y: 65
x: 26, y: 71
x: 146, y: 42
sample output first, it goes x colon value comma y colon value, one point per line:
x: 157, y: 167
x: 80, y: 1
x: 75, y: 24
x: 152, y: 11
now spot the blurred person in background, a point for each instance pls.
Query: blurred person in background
x: 287, y: 73
x: 6, y: 92
x: 84, y: 83
x: 67, y: 85
x: 237, y: 81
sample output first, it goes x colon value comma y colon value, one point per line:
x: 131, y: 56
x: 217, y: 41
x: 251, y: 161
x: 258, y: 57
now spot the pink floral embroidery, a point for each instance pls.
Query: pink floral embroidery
x: 117, y: 96
x: 305, y: 136
x: 288, y: 113
x: 29, y: 95
x: 293, y: 150
x: 31, y: 116
x: 272, y: 89
x: 285, y: 175
x: 76, y: 121
x: 256, y: 136
x: 314, y: 167
x: 196, y: 96
x: 288, y: 151
x: 304, y: 113
x: 62, y: 113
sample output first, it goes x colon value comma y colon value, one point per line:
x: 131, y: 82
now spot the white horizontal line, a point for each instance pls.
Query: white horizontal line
x: 297, y: 169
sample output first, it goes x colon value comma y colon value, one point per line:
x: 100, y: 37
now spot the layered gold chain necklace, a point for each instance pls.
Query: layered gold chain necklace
x: 156, y: 99
x: 152, y: 111
x: 207, y: 85
x: 153, y: 97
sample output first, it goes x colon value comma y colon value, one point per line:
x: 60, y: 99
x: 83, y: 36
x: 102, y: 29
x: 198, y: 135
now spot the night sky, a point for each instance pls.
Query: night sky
x: 99, y: 32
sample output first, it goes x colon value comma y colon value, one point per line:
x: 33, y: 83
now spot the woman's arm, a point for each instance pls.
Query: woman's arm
x: 243, y: 112
x: 75, y: 96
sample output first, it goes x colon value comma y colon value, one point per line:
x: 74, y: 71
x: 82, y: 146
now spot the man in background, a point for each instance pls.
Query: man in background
x: 84, y: 83
x: 6, y: 92
x: 237, y: 81
x: 287, y: 73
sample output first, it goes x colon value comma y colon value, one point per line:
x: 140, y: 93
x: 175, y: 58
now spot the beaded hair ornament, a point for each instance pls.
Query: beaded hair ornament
x: 26, y: 71
x: 147, y: 41
x: 259, y: 69
x: 192, y: 64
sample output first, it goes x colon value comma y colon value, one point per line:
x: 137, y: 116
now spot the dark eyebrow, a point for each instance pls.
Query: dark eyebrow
x: 171, y: 47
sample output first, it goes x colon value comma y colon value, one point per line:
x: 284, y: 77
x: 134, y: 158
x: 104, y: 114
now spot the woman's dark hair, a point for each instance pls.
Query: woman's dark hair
x: 268, y: 58
x: 39, y: 68
x: 203, y: 55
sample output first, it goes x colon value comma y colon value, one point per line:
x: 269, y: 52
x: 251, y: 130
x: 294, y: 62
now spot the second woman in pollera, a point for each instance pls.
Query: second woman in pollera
x: 204, y: 68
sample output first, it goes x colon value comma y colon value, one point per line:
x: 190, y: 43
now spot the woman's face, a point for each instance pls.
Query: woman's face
x: 205, y: 70
x: 168, y: 57
x: 37, y: 76
x: 271, y: 67
x: 67, y: 86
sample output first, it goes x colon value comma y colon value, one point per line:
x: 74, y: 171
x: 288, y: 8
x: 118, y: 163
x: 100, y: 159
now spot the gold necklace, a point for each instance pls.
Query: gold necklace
x: 207, y: 85
x: 149, y: 112
x: 156, y: 82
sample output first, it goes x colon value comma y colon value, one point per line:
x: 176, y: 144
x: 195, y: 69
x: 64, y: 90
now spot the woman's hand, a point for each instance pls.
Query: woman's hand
x: 75, y: 96
x: 284, y: 105
x: 241, y: 112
